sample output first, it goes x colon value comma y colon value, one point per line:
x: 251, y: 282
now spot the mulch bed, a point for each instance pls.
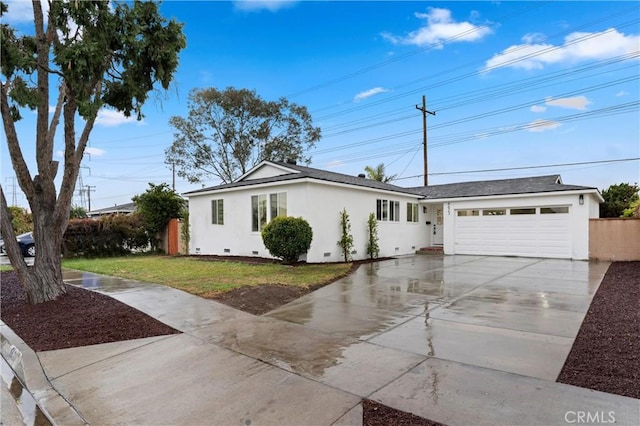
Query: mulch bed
x: 78, y: 318
x: 606, y: 353
x: 261, y: 299
x: 376, y: 414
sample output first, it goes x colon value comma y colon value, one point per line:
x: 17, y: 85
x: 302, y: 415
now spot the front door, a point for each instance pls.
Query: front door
x: 437, y: 229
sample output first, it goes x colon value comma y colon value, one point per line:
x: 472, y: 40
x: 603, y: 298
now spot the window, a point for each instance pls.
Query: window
x: 258, y: 212
x: 531, y: 210
x: 382, y: 210
x: 278, y: 204
x: 412, y: 212
x: 468, y: 213
x: 388, y: 210
x: 553, y: 210
x: 394, y: 211
x: 217, y: 212
x: 494, y: 212
x: 259, y: 209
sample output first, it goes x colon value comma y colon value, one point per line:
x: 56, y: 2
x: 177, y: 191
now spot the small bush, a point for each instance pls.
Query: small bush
x: 373, y: 249
x: 346, y: 239
x: 287, y: 238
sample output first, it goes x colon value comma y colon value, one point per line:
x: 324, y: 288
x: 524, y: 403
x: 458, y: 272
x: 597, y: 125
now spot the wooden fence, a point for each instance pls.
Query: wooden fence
x: 616, y: 239
x: 171, y: 238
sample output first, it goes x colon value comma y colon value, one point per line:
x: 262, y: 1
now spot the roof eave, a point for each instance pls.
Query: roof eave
x: 593, y: 191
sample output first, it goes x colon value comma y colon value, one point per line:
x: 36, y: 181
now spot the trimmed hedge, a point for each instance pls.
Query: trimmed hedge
x: 111, y: 235
x: 287, y: 238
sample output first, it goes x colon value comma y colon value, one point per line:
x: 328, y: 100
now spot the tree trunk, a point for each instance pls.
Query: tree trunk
x: 43, y: 281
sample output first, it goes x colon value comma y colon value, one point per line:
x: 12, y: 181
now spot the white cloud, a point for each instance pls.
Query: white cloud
x: 577, y: 102
x: 538, y: 108
x: 533, y: 53
x: 368, y: 93
x: 22, y: 11
x: 622, y: 93
x: 532, y: 38
x: 439, y: 29
x: 542, y: 125
x: 257, y: 5
x: 96, y: 152
x: 111, y: 118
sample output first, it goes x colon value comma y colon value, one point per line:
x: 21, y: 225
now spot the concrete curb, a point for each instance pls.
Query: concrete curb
x: 27, y: 368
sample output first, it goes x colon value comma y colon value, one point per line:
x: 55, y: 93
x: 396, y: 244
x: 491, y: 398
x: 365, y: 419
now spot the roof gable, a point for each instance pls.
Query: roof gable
x: 266, y: 169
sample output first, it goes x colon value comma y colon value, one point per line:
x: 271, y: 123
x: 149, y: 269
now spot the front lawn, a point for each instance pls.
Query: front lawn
x: 208, y: 278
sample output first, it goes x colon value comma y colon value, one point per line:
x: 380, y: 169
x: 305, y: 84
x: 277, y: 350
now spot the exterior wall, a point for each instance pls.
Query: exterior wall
x: 579, y: 216
x: 323, y: 213
x: 320, y: 205
x: 614, y: 239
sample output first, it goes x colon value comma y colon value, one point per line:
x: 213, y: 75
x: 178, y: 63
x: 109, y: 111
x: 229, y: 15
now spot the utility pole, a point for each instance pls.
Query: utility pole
x: 174, y: 175
x: 424, y: 134
x: 89, y: 191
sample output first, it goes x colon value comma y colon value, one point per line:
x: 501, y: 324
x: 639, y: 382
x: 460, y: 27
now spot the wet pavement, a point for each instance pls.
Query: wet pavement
x: 456, y: 339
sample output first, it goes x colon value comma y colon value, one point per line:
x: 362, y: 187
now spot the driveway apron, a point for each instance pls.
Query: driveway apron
x: 456, y: 339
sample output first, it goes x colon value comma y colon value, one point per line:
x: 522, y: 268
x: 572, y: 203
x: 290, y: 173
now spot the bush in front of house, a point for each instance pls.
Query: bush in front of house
x: 287, y: 238
x: 373, y: 248
x: 107, y: 236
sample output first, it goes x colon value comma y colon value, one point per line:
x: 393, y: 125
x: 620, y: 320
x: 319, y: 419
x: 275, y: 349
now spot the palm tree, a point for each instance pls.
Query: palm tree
x: 377, y: 173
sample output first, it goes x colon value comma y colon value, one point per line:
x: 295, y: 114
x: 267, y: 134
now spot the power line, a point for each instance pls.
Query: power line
x: 524, y: 168
x: 434, y: 45
x: 476, y: 72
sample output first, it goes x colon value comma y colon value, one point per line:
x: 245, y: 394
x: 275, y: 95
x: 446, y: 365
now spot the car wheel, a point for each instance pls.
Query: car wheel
x: 30, y: 250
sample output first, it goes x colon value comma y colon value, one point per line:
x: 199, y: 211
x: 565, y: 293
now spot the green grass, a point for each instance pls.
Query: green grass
x: 208, y: 278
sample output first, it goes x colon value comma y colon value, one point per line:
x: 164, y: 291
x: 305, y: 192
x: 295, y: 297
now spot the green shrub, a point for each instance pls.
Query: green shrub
x: 21, y: 220
x: 287, y: 238
x: 346, y: 239
x: 107, y: 236
x: 373, y: 249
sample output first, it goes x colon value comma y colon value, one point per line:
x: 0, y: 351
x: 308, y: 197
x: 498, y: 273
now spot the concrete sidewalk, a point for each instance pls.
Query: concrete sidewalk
x: 459, y: 340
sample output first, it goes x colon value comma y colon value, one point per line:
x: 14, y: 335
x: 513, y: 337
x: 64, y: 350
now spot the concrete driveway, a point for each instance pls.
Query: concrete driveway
x: 456, y: 339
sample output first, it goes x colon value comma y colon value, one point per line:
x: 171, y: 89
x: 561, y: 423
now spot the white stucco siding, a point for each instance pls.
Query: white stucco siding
x: 539, y: 235
x: 325, y: 203
x: 320, y: 204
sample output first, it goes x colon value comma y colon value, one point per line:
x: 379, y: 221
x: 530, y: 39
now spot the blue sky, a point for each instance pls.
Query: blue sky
x: 513, y: 84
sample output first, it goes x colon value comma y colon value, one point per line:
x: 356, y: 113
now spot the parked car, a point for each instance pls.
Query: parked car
x: 26, y: 243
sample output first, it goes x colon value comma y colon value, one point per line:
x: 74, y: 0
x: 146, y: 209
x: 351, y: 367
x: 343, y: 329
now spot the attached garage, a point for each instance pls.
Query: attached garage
x: 529, y: 217
x: 542, y: 231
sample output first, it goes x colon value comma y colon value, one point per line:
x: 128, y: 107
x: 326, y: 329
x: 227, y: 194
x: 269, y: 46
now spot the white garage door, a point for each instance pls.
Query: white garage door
x: 542, y: 231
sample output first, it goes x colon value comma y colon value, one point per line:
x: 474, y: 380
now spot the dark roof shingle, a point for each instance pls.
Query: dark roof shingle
x: 527, y: 185
x: 309, y: 172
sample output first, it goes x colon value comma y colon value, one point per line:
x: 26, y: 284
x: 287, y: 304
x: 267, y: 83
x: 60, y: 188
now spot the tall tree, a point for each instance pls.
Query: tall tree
x: 94, y: 54
x: 228, y: 132
x: 377, y: 173
x: 618, y: 198
x: 157, y: 205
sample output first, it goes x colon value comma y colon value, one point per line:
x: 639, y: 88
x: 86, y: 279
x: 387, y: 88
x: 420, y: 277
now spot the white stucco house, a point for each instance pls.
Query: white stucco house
x: 531, y: 217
